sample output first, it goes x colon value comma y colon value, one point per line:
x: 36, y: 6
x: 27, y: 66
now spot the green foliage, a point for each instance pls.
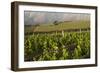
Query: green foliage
x: 74, y: 45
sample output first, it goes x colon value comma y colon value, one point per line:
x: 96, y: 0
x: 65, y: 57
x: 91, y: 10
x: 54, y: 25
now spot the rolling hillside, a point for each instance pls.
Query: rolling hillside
x: 72, y: 25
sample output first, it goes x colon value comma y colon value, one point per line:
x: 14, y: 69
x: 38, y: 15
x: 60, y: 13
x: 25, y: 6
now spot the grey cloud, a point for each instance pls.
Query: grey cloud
x: 32, y: 18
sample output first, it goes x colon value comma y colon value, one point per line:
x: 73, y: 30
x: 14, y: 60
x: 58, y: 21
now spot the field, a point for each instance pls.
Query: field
x: 66, y: 26
x: 61, y: 41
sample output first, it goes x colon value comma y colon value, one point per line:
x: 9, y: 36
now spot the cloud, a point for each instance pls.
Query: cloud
x: 32, y: 18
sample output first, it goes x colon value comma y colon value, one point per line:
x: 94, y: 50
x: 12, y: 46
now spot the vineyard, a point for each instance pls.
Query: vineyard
x: 57, y: 46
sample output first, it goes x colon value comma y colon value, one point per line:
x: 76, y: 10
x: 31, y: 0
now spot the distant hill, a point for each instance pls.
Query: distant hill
x: 70, y: 25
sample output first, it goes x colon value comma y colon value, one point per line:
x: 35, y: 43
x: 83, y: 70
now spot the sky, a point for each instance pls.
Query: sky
x: 36, y: 17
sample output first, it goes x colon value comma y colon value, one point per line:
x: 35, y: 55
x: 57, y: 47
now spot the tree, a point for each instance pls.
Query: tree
x: 55, y: 22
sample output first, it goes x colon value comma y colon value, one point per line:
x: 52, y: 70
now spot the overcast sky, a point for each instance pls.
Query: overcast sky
x: 32, y: 18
